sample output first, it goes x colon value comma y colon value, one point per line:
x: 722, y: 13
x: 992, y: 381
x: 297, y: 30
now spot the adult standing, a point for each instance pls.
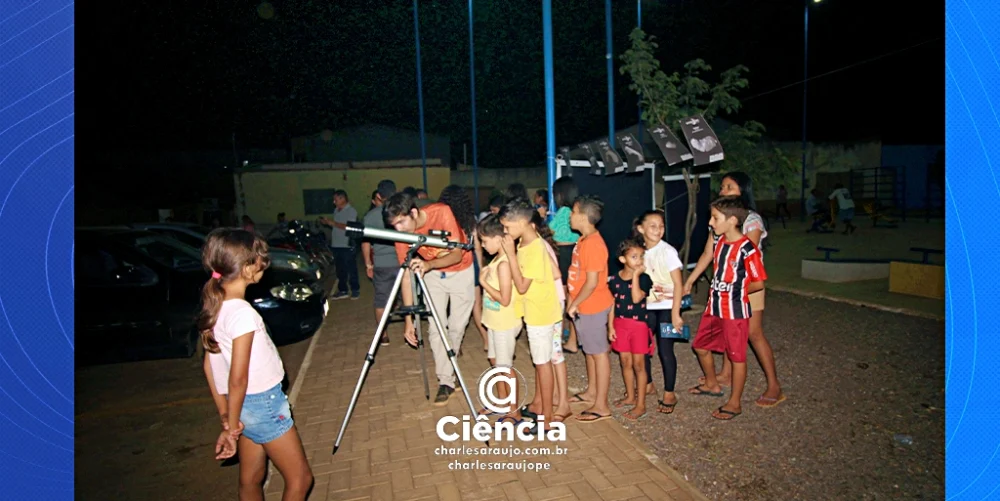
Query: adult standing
x: 739, y: 184
x: 381, y: 265
x: 448, y: 275
x: 344, y: 255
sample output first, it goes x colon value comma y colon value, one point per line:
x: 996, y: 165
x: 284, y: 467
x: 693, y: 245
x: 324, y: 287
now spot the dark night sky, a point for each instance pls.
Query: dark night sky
x: 184, y: 74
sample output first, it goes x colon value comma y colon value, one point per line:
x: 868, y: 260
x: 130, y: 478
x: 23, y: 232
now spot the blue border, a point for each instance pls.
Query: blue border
x: 972, y: 187
x: 36, y: 258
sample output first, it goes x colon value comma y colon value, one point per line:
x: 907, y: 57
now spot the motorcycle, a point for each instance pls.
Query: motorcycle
x: 299, y: 237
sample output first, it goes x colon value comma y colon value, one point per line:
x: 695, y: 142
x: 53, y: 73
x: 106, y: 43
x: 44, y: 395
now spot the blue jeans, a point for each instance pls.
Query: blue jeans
x: 346, y: 261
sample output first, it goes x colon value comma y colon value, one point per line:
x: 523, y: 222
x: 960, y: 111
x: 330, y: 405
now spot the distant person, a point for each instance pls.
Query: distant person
x: 280, y: 226
x: 421, y: 194
x: 565, y: 191
x: 782, y: 203
x: 515, y: 191
x: 381, y: 265
x: 457, y: 198
x: 344, y: 254
x: 542, y: 203
x: 248, y: 224
x: 244, y: 370
x: 818, y: 213
x: 415, y: 193
x: 845, y: 207
x: 496, y: 203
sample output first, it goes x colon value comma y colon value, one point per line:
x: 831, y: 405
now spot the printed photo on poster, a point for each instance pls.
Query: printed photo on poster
x: 613, y: 163
x: 633, y: 152
x: 673, y: 150
x: 587, y: 150
x: 705, y: 145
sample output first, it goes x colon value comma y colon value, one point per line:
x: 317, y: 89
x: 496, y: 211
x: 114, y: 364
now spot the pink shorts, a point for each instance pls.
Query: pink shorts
x: 723, y: 335
x: 632, y: 336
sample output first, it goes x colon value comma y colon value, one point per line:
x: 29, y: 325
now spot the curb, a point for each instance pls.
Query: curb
x: 293, y: 393
x: 855, y: 302
x: 682, y: 483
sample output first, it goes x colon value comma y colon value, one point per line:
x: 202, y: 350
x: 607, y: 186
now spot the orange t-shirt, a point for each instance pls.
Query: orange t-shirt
x: 439, y: 217
x: 589, y: 255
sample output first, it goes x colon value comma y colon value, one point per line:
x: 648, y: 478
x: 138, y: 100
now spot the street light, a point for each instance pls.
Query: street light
x: 805, y: 84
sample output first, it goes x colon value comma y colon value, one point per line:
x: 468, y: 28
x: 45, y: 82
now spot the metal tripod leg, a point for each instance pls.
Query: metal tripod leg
x: 370, y: 357
x: 447, y: 346
x: 418, y: 322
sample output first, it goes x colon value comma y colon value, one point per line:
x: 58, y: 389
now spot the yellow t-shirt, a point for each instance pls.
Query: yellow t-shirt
x: 541, y: 303
x: 495, y: 315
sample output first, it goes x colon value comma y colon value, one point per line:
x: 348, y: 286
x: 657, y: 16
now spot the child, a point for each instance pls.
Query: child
x: 845, y: 207
x: 725, y: 326
x: 532, y: 275
x: 663, y: 266
x: 244, y: 370
x: 590, y: 305
x: 501, y: 302
x: 630, y: 333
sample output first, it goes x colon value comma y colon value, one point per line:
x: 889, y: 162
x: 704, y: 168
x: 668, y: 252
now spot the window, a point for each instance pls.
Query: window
x: 184, y: 238
x: 318, y: 201
x: 168, y: 252
x: 103, y: 268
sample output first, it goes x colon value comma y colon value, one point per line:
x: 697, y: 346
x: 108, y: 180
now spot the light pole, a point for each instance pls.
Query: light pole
x: 805, y: 85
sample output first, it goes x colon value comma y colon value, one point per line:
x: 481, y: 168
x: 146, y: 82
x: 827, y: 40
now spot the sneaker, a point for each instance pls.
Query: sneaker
x: 384, y: 341
x: 356, y: 296
x: 340, y: 295
x: 443, y: 394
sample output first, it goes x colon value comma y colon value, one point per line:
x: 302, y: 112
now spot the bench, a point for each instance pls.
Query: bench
x: 926, y: 253
x: 826, y: 252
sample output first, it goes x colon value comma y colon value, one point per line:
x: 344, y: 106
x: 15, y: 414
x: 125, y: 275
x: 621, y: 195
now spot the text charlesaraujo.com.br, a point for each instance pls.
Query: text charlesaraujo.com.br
x: 500, y: 451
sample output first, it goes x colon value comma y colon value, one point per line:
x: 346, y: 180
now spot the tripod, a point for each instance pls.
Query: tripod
x: 417, y: 311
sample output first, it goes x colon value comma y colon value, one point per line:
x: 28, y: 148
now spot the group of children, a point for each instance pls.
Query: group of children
x: 635, y: 312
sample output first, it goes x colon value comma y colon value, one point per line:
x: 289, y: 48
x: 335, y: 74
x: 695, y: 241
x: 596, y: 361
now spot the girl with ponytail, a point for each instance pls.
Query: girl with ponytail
x: 244, y: 370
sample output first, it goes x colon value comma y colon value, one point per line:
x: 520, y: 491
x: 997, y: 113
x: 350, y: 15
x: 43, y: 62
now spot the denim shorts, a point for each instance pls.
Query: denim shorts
x: 266, y: 416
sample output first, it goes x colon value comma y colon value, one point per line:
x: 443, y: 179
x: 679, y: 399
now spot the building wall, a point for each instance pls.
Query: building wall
x: 268, y: 192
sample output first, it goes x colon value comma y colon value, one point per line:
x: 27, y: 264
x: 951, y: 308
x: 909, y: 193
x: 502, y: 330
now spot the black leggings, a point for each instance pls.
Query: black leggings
x: 665, y: 348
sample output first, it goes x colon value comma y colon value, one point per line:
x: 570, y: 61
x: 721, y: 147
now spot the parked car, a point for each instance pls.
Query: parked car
x: 139, y: 294
x: 194, y: 235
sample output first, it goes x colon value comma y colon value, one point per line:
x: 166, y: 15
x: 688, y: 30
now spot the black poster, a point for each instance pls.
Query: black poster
x: 705, y: 145
x: 625, y: 197
x: 633, y: 151
x: 612, y: 160
x: 588, y: 153
x: 675, y: 201
x: 564, y: 154
x: 672, y: 148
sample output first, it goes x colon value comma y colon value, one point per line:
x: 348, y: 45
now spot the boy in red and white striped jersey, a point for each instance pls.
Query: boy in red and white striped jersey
x: 726, y: 322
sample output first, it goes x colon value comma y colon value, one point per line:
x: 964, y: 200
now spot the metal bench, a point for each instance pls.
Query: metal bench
x: 926, y: 258
x: 826, y: 252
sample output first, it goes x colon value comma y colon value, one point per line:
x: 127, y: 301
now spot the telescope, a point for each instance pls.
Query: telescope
x: 437, y: 239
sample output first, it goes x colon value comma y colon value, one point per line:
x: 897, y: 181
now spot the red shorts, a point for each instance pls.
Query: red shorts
x: 632, y: 336
x: 723, y: 335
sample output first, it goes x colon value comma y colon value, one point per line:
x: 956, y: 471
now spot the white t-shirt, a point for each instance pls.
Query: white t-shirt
x: 660, y: 261
x: 844, y: 200
x: 237, y: 318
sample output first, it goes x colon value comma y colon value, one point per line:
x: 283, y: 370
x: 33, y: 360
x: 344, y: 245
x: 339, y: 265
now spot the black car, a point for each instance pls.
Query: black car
x: 139, y: 293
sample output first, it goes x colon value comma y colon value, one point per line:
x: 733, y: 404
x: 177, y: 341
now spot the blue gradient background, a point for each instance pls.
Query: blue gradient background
x: 972, y: 197
x: 36, y: 257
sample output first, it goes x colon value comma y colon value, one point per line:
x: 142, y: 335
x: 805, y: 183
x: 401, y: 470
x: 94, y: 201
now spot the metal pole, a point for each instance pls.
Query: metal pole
x: 420, y: 94
x: 639, y: 127
x: 805, y: 84
x: 611, y: 76
x: 550, y: 100
x: 472, y: 83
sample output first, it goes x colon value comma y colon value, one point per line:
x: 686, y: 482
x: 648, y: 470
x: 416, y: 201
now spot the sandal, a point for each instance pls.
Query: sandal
x: 770, y: 402
x: 724, y: 412
x: 528, y: 414
x: 665, y: 408
x: 596, y: 417
x: 559, y: 418
x: 699, y: 390
x: 579, y: 399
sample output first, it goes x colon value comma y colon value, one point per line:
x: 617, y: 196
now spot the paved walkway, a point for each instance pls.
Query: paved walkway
x: 388, y: 452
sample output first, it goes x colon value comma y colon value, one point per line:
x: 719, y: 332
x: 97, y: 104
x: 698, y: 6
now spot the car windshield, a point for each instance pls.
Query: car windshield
x: 168, y: 252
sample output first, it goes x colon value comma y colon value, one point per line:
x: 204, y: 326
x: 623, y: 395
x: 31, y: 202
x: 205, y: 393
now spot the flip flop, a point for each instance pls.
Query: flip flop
x: 731, y: 414
x: 528, y: 414
x: 697, y: 390
x: 512, y: 418
x: 701, y: 381
x: 579, y: 399
x: 770, y: 402
x: 665, y: 408
x: 567, y: 350
x: 594, y: 420
x: 631, y: 417
x: 486, y: 412
x: 558, y: 418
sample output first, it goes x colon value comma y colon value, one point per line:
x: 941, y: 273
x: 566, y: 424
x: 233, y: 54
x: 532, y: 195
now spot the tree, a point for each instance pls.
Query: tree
x: 668, y: 98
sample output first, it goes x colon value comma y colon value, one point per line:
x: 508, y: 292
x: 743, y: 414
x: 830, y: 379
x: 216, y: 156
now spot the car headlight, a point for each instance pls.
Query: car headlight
x: 292, y: 292
x: 265, y: 303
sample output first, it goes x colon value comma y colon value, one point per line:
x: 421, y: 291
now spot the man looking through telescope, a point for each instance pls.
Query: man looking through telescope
x: 447, y: 273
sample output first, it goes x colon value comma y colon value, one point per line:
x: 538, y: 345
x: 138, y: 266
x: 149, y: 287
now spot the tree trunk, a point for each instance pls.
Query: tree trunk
x: 692, y: 218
